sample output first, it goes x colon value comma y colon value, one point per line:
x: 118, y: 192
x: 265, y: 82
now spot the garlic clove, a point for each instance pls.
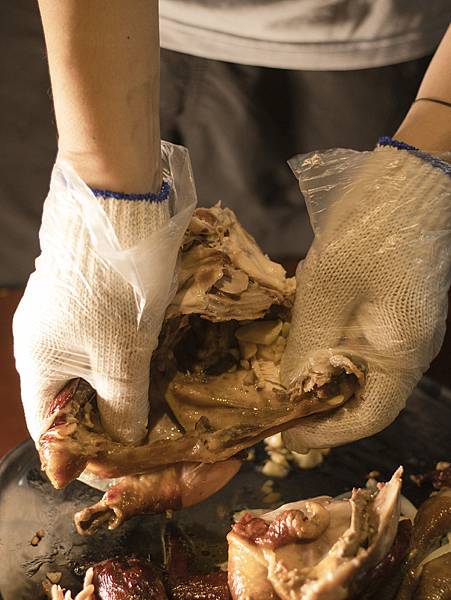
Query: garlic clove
x: 260, y: 332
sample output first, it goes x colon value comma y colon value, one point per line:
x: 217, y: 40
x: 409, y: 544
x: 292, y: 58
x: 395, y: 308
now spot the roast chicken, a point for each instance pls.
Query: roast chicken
x: 216, y: 386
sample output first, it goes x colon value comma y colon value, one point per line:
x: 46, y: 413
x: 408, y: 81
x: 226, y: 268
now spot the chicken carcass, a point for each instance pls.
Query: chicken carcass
x: 355, y: 549
x: 316, y: 549
x: 215, y: 374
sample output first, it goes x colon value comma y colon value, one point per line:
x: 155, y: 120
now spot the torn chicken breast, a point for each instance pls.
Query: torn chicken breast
x: 215, y: 374
x: 313, y: 549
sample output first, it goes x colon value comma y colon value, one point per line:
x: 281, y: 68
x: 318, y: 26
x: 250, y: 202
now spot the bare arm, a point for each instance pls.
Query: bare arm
x: 427, y: 125
x: 104, y: 67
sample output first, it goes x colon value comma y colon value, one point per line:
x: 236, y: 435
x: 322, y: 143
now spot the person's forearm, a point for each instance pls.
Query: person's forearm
x: 427, y: 125
x: 104, y: 66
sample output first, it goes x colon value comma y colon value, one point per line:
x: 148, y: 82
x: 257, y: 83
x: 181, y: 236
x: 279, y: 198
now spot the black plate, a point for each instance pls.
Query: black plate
x: 418, y: 439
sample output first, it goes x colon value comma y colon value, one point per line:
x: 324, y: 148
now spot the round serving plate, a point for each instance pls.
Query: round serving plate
x: 417, y: 440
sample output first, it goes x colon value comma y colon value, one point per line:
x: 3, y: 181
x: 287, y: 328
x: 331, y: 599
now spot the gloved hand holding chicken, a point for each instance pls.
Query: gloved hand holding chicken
x: 374, y: 284
x: 93, y: 308
x: 112, y: 226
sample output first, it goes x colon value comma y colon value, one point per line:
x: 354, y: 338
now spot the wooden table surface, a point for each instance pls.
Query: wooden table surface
x: 12, y: 423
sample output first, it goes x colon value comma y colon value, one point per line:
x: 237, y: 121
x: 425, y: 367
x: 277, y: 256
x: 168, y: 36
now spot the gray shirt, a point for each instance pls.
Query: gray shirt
x: 305, y: 34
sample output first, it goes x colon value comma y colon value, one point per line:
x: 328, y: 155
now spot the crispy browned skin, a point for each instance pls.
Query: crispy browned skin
x: 212, y: 586
x: 435, y: 579
x: 127, y: 578
x: 432, y: 522
x: 132, y: 578
x: 178, y: 553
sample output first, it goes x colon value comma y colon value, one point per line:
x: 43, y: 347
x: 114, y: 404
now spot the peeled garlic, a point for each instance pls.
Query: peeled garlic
x: 260, y: 332
x: 271, y: 498
x: 271, y: 469
x: 285, y: 329
x: 442, y: 465
x: 248, y: 350
x: 312, y: 459
x: 54, y: 576
x: 279, y: 459
x: 280, y: 344
x: 266, y: 353
x: 336, y: 400
x: 268, y: 486
x: 274, y: 441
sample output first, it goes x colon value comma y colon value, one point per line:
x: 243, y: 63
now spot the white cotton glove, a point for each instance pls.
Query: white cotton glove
x: 94, y: 306
x: 374, y: 284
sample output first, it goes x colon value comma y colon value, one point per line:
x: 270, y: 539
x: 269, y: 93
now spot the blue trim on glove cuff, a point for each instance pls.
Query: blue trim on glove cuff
x: 162, y: 195
x: 433, y: 160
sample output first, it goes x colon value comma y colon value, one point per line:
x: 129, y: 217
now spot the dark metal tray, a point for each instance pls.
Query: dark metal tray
x: 419, y: 438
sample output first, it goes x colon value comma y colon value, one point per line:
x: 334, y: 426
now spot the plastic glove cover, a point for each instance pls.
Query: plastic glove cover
x: 94, y: 306
x: 374, y: 283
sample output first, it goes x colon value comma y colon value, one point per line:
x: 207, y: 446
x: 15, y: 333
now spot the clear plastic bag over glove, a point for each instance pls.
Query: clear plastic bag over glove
x: 373, y: 286
x: 94, y: 306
